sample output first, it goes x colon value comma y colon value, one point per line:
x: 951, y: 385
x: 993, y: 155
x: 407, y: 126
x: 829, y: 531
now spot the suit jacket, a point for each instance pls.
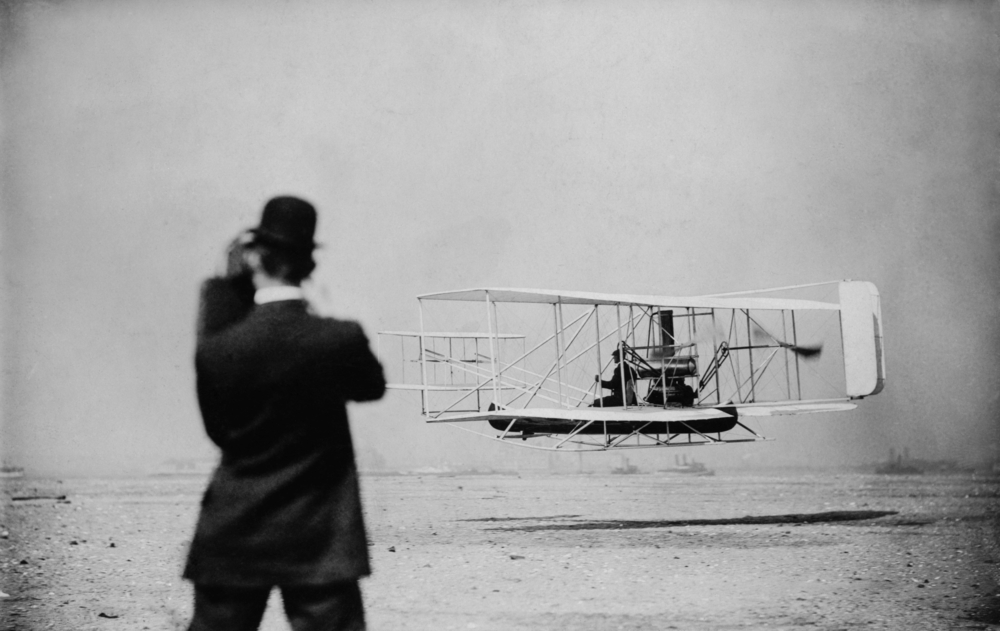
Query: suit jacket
x: 615, y: 383
x: 283, y: 507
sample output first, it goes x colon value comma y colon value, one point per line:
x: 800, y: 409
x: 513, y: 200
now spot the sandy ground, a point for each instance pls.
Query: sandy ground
x: 540, y: 552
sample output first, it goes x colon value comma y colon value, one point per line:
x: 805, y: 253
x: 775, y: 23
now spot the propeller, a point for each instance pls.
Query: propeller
x: 811, y: 351
x: 710, y: 335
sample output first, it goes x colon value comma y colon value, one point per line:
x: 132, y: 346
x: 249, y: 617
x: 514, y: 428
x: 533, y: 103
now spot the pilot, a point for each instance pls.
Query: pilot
x: 615, y: 399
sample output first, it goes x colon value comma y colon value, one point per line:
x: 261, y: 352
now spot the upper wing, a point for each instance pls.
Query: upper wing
x: 545, y: 296
x: 455, y: 335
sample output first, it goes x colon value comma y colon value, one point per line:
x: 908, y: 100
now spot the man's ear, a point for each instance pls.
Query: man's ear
x: 252, y: 258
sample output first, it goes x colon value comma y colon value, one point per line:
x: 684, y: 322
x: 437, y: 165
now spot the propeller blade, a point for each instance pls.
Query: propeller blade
x: 806, y: 352
x: 811, y: 351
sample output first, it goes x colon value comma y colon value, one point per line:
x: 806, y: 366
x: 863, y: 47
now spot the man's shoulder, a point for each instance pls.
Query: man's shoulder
x: 227, y: 283
x: 224, y: 301
x: 322, y: 335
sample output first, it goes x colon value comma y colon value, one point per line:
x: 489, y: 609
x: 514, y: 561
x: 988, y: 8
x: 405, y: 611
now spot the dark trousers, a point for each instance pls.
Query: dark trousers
x: 610, y: 401
x: 308, y: 607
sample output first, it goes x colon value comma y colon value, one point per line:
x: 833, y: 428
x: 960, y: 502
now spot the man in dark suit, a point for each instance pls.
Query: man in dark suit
x: 620, y: 388
x: 283, y: 507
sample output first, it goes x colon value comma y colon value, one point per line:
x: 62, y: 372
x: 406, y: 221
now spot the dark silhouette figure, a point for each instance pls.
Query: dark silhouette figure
x: 283, y: 507
x: 618, y: 395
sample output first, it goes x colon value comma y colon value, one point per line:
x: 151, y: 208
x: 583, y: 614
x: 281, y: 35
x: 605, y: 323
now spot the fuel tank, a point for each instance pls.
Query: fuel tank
x: 672, y: 367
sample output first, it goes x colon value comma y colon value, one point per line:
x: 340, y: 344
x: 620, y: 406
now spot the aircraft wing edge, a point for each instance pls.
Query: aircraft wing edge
x: 443, y: 388
x: 547, y: 296
x: 792, y: 408
x: 590, y: 414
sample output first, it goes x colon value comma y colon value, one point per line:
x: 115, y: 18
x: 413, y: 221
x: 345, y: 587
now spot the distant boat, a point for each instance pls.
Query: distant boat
x: 186, y: 466
x: 685, y: 467
x: 899, y: 464
x: 626, y: 468
x: 447, y: 471
x: 898, y: 468
x: 11, y: 472
x: 902, y: 464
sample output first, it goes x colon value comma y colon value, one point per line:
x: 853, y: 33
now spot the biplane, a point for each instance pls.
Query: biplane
x: 529, y: 366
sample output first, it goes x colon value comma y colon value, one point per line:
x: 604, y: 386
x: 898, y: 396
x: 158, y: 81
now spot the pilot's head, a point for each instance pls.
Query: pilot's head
x: 616, y: 355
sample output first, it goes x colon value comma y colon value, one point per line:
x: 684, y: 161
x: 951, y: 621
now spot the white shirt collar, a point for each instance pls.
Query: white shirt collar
x: 276, y: 293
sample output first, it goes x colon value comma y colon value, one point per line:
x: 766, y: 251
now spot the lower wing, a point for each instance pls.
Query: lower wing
x: 633, y: 415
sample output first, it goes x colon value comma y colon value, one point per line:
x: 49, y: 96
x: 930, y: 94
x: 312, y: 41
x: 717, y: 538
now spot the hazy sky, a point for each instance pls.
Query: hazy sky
x: 650, y: 147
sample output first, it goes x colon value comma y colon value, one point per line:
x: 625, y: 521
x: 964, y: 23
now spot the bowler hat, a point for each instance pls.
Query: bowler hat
x: 287, y: 222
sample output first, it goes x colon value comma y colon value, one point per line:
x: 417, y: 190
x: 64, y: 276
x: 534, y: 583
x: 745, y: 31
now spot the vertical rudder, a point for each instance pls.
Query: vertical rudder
x: 861, y: 330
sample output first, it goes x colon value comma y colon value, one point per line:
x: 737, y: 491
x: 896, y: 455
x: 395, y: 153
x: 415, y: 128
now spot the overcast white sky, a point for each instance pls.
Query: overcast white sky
x: 648, y: 147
